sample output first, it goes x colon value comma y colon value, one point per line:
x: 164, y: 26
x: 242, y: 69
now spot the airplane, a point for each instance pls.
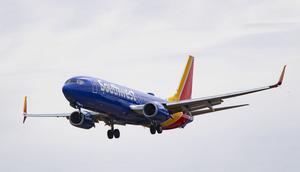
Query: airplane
x: 97, y: 100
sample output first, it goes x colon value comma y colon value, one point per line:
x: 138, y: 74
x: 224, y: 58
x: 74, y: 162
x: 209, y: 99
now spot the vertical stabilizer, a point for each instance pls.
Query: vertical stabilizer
x: 184, y: 90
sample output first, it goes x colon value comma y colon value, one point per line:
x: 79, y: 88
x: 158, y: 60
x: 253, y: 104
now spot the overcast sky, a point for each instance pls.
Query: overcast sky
x: 144, y: 45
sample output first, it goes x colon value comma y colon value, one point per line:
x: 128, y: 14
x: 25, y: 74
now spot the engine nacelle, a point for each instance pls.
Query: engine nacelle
x: 82, y: 120
x: 156, y: 111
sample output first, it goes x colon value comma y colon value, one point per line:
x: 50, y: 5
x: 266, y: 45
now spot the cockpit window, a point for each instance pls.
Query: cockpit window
x: 80, y: 82
x: 75, y: 81
x: 70, y: 81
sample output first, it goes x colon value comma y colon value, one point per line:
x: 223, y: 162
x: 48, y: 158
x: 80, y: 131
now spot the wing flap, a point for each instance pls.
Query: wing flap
x: 201, y: 112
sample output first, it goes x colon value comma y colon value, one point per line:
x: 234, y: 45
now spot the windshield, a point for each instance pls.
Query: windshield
x: 75, y: 81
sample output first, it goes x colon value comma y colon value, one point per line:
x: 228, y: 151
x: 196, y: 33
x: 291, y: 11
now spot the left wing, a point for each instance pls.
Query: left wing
x: 25, y: 114
x: 196, y: 104
x: 96, y: 116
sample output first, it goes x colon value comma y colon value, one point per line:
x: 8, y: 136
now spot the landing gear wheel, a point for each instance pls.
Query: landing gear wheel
x: 159, y: 129
x: 110, y: 134
x: 116, y: 133
x: 152, y: 130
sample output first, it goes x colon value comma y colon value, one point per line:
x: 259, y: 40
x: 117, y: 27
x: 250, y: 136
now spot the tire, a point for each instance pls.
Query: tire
x: 159, y: 129
x: 152, y: 130
x: 110, y: 134
x: 116, y: 133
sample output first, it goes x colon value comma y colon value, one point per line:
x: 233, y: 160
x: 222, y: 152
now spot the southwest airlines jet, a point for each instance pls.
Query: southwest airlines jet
x: 97, y: 100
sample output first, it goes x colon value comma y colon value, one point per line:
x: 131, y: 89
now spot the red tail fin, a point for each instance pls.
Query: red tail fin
x: 184, y: 90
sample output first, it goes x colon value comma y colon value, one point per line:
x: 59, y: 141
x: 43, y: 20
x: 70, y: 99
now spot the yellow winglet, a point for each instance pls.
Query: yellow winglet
x: 25, y: 109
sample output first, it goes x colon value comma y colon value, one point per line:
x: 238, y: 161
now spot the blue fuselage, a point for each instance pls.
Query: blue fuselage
x: 111, y: 99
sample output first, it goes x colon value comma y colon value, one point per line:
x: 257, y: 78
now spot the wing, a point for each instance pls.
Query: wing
x: 25, y: 114
x: 193, y: 105
x: 48, y: 115
x: 96, y: 116
x: 201, y: 112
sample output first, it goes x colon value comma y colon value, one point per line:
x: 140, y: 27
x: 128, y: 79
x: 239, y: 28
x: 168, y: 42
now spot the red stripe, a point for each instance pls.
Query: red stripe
x: 187, y: 89
x: 180, y: 122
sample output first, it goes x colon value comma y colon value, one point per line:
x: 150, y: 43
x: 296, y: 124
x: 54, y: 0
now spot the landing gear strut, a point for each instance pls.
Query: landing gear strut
x: 113, y: 132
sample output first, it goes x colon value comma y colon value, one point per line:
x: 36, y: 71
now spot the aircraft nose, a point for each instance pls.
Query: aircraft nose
x: 66, y: 90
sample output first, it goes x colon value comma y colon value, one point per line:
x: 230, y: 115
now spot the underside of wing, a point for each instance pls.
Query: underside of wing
x: 48, y: 115
x: 202, y: 112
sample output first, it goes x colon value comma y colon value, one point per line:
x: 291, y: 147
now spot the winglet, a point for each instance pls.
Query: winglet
x: 280, y: 79
x: 25, y: 109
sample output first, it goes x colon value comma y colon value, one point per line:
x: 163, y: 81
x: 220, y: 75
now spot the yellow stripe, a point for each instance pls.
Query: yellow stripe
x: 175, y: 117
x: 176, y: 97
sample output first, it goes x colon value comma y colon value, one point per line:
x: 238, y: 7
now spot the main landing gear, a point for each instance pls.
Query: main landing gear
x: 156, y: 128
x: 113, y: 132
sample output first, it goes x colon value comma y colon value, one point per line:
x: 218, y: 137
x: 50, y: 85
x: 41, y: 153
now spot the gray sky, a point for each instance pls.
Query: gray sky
x: 144, y: 44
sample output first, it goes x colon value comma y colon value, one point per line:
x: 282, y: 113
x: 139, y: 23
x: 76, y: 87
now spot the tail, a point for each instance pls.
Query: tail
x: 184, y: 90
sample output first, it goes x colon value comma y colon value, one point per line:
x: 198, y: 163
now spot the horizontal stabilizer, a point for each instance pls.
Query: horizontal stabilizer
x: 201, y: 112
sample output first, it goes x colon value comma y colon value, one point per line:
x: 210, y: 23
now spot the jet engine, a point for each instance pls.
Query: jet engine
x: 155, y: 110
x: 82, y: 120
